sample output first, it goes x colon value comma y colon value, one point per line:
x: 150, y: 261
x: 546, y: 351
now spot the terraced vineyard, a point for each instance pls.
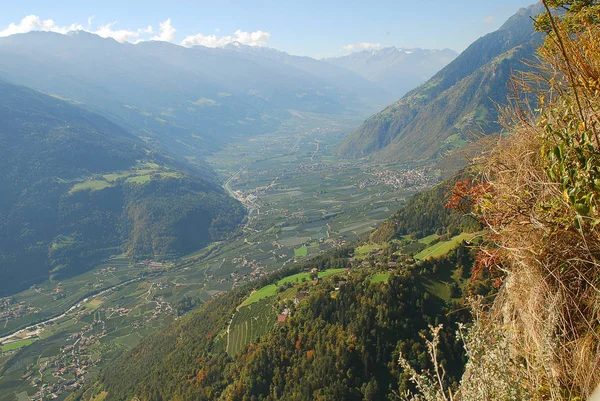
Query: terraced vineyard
x: 249, y: 323
x: 257, y: 315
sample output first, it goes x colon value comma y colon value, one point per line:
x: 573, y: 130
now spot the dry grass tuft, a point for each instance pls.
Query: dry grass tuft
x: 541, y: 211
x: 538, y: 197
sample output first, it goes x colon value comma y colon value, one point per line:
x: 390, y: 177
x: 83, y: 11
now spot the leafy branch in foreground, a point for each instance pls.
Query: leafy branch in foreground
x: 540, y: 206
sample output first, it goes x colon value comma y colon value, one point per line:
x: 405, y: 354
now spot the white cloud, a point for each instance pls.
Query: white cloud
x: 166, y: 33
x: 205, y: 40
x: 120, y: 35
x: 361, y: 46
x: 35, y: 23
x: 489, y: 20
x: 258, y: 38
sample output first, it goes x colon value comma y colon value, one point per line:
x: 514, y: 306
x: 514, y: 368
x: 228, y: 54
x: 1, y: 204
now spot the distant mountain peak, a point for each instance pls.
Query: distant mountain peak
x: 458, y: 103
x: 243, y: 48
x: 394, y: 50
x: 235, y: 44
x: 396, y: 69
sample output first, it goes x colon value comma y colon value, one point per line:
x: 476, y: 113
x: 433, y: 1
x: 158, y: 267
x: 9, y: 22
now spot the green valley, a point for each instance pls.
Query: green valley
x: 309, y: 205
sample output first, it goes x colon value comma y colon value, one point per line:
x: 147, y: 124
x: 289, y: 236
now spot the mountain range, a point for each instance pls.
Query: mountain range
x: 457, y: 105
x: 186, y: 101
x: 396, y: 70
x: 478, y: 287
x: 108, y: 156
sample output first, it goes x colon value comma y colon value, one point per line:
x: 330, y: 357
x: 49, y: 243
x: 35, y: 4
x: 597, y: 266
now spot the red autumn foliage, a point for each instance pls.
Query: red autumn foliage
x: 488, y: 260
x: 467, y: 193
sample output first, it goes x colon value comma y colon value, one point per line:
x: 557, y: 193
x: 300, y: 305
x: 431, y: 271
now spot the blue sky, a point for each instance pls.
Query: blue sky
x: 309, y: 27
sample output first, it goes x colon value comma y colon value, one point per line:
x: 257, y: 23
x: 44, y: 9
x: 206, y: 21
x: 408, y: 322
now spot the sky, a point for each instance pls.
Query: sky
x: 315, y: 28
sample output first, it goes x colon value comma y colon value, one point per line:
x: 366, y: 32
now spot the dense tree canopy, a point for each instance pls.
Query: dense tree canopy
x: 337, y: 344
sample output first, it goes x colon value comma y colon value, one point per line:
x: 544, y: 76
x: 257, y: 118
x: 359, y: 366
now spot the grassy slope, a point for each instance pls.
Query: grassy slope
x: 16, y: 345
x: 429, y: 239
x: 380, y: 278
x: 256, y: 316
x: 301, y: 252
x: 271, y: 289
x: 442, y: 248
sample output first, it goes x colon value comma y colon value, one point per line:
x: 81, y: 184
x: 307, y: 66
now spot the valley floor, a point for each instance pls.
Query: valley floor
x: 301, y: 201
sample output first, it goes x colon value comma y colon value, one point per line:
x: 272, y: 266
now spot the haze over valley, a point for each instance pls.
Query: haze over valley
x: 310, y: 207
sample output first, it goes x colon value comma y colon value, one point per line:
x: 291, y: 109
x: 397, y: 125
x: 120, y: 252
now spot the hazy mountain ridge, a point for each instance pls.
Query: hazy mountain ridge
x: 397, y: 70
x: 456, y: 104
x: 352, y: 81
x: 76, y: 188
x: 183, y: 100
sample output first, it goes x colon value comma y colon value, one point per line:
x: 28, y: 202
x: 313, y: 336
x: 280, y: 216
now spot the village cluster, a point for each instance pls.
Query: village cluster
x: 66, y: 371
x: 9, y: 309
x: 419, y: 178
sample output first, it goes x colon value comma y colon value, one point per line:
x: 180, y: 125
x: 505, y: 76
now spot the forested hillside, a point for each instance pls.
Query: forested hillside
x: 341, y: 342
x: 457, y: 105
x: 76, y: 188
x: 427, y: 213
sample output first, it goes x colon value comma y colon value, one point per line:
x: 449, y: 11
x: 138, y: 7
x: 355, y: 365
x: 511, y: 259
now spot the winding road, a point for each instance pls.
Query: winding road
x: 71, y: 309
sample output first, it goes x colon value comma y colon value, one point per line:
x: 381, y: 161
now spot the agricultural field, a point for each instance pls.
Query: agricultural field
x: 265, y: 292
x: 301, y: 252
x: 380, y: 278
x: 365, y: 249
x: 139, y: 175
x: 271, y: 289
x: 429, y: 239
x: 94, y: 185
x: 257, y: 315
x: 16, y: 345
x: 249, y: 323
